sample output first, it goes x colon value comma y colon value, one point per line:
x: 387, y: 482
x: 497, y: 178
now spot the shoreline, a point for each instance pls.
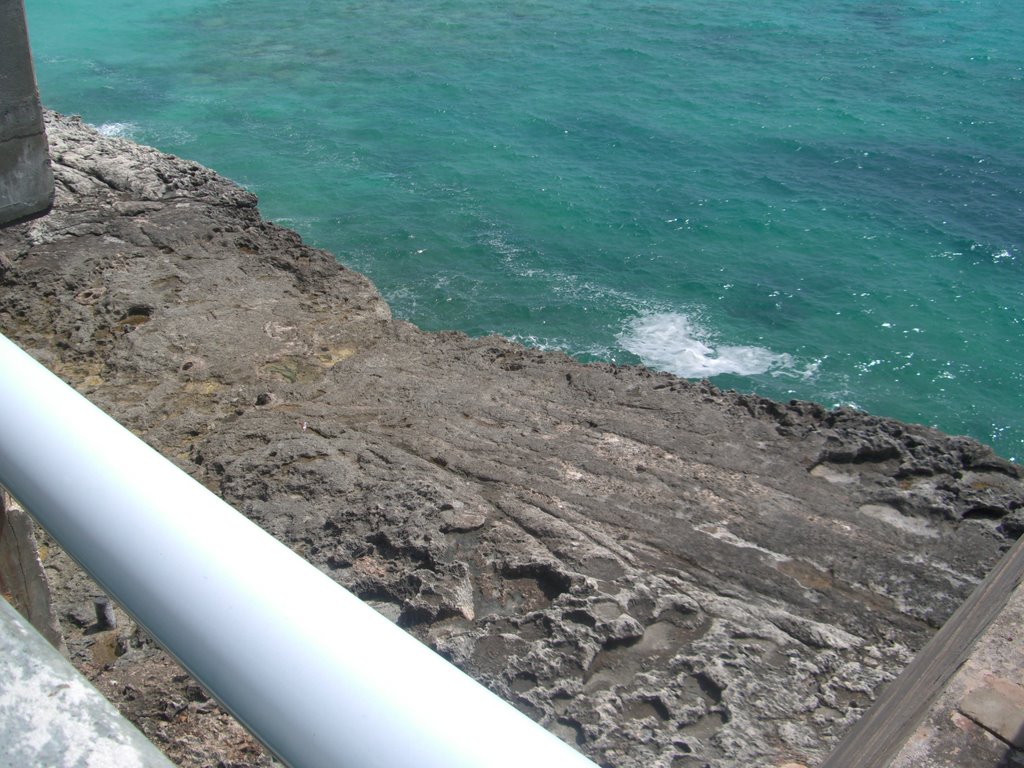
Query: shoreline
x: 661, y: 572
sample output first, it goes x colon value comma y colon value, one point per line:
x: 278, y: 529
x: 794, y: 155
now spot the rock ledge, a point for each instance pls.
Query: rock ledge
x: 663, y: 573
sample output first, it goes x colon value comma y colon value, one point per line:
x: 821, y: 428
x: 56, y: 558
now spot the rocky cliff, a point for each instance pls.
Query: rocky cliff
x: 663, y: 573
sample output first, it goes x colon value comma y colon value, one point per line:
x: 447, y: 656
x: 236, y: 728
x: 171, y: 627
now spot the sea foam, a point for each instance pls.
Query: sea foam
x: 676, y: 343
x: 120, y: 130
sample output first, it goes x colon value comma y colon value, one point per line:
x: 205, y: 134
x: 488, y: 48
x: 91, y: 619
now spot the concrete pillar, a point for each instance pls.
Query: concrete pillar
x: 26, y: 180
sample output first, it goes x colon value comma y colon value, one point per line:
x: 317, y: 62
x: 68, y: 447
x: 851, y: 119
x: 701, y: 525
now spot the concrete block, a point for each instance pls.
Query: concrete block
x: 998, y: 705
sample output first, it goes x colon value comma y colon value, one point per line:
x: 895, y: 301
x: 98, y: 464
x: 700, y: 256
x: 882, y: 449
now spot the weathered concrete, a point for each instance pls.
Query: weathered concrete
x: 663, y: 573
x: 51, y: 715
x: 26, y: 180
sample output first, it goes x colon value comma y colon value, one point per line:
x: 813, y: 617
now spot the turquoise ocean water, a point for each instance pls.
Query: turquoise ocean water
x: 814, y: 199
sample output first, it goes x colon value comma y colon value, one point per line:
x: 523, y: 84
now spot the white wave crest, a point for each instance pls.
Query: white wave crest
x: 673, y: 342
x: 121, y: 130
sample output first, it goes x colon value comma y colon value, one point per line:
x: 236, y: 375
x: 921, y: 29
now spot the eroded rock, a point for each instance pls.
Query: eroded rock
x: 663, y: 573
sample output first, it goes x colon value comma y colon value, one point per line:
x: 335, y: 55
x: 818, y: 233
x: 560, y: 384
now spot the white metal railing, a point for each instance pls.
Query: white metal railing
x: 318, y: 676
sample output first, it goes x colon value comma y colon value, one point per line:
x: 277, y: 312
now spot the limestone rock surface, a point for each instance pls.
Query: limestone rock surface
x: 665, y: 574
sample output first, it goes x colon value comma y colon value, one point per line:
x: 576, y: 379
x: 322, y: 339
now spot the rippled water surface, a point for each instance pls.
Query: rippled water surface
x: 821, y: 200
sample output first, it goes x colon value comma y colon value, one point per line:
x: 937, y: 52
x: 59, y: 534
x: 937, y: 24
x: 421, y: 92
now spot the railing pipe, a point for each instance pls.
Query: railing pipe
x: 318, y: 676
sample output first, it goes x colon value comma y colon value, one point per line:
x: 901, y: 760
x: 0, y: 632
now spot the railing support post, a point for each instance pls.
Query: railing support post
x: 26, y: 180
